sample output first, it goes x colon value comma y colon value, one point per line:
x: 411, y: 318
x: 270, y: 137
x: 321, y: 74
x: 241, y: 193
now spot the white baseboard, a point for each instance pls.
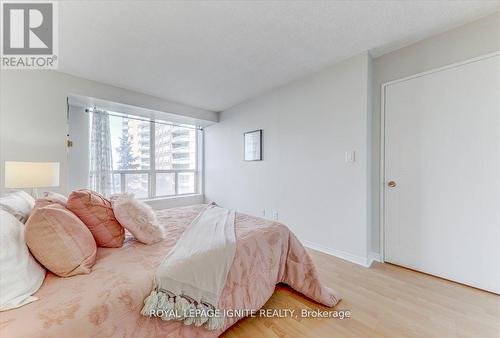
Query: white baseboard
x: 363, y: 261
x: 374, y: 257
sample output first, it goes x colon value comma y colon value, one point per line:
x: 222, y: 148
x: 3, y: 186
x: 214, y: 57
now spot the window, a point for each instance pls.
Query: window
x: 153, y: 158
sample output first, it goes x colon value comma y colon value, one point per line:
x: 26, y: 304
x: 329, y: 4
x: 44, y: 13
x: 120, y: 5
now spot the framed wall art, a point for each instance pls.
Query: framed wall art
x: 252, y: 145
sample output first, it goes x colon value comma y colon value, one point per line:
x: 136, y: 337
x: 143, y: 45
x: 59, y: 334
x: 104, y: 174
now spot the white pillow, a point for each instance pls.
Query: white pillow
x: 137, y: 217
x: 18, y: 203
x: 20, y: 274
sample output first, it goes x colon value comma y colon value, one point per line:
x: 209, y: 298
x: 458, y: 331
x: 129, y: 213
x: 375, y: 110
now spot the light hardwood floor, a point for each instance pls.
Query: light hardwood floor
x: 385, y: 301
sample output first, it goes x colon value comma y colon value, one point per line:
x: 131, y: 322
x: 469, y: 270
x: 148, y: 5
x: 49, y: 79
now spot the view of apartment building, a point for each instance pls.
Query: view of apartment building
x: 174, y: 151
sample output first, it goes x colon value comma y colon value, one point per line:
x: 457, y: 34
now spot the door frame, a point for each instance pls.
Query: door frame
x: 382, y: 182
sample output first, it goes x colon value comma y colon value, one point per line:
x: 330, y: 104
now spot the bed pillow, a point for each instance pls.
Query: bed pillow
x: 60, y: 241
x: 54, y: 197
x: 50, y: 198
x: 18, y: 203
x: 97, y: 214
x: 138, y: 218
x: 20, y: 274
x: 40, y: 203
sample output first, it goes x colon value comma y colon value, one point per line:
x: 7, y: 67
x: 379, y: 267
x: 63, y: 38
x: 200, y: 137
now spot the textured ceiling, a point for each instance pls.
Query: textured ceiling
x: 214, y: 54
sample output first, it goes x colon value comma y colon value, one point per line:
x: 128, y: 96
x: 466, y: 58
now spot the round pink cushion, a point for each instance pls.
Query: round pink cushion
x: 95, y: 211
x: 60, y: 241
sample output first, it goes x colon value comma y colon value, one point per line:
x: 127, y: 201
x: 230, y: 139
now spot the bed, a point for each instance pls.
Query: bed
x: 107, y: 302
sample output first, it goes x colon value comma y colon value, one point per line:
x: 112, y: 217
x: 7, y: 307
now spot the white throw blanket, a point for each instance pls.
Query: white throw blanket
x: 189, y: 281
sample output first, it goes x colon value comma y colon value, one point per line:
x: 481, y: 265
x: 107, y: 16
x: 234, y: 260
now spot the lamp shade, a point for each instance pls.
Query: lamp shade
x: 31, y: 174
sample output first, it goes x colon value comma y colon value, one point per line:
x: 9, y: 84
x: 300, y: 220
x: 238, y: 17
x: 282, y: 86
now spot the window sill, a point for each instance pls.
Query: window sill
x: 169, y: 198
x: 175, y: 201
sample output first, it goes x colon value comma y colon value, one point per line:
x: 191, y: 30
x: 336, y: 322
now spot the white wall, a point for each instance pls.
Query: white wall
x: 33, y: 122
x: 78, y: 154
x: 474, y: 39
x: 291, y: 109
x: 308, y: 125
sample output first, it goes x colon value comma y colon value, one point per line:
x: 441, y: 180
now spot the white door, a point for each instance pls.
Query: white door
x: 442, y: 153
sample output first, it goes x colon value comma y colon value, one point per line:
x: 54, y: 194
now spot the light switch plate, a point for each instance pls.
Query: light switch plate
x: 350, y: 156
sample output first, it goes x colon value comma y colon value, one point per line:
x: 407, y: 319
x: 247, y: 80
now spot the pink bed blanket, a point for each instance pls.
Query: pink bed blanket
x: 107, y: 302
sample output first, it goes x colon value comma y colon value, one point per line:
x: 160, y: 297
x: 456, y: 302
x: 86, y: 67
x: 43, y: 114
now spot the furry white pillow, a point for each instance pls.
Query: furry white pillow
x: 138, y: 218
x: 20, y: 274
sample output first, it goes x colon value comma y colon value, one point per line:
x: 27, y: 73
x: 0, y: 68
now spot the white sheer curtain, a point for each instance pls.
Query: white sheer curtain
x: 101, y: 160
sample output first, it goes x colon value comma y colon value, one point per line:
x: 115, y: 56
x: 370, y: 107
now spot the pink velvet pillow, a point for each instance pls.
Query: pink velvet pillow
x: 95, y: 211
x: 138, y: 218
x: 60, y: 241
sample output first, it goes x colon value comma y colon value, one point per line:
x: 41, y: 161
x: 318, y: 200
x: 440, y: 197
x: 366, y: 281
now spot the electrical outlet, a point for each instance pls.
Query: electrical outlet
x: 275, y: 215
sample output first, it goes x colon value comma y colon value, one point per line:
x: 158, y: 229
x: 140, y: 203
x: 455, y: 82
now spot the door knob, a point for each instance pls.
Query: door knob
x: 391, y: 184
